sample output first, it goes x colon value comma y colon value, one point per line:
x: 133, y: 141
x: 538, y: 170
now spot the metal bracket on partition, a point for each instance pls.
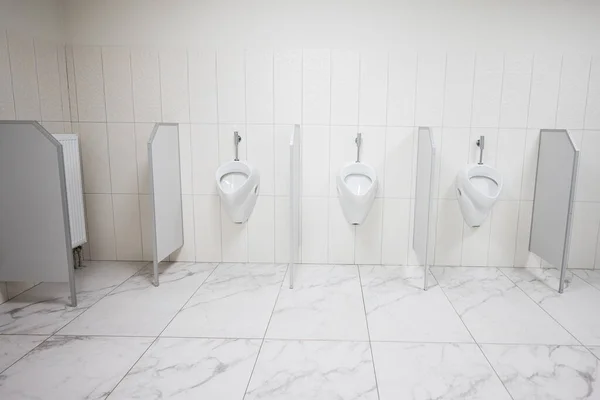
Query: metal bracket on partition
x: 481, y: 145
x: 358, y: 142
x: 236, y: 142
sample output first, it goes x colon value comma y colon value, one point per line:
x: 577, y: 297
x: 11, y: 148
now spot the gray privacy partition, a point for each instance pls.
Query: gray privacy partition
x: 558, y: 159
x: 295, y: 196
x: 35, y: 237
x: 423, y: 199
x: 165, y: 185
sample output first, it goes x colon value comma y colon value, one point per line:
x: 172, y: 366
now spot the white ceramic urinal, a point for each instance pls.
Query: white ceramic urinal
x: 477, y: 189
x: 238, y: 184
x: 356, y: 187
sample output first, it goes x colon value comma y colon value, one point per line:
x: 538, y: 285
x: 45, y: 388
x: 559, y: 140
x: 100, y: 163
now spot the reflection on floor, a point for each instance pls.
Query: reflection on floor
x: 236, y: 331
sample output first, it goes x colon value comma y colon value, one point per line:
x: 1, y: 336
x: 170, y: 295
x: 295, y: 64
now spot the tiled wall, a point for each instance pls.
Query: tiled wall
x: 119, y: 92
x: 33, y: 86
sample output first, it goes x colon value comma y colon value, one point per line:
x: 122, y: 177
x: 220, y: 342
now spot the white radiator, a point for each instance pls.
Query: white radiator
x: 70, y: 145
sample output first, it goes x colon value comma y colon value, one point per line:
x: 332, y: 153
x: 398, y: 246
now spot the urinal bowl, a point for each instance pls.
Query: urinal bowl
x: 478, y: 187
x: 238, y: 184
x: 356, y: 186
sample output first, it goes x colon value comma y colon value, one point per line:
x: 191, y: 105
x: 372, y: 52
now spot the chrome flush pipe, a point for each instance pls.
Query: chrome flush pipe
x: 236, y: 142
x: 358, y: 142
x: 481, y: 144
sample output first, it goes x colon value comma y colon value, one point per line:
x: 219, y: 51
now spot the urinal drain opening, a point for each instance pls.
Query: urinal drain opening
x: 459, y: 192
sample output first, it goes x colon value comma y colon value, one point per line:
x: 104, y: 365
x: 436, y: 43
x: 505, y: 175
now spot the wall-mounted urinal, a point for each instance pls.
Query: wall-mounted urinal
x: 477, y: 189
x: 238, y: 184
x: 356, y: 186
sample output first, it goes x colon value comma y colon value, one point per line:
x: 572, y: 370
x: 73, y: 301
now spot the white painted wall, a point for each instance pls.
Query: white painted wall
x: 501, y: 69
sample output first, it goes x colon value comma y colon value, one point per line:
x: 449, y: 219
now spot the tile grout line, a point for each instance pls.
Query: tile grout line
x: 287, y: 269
x: 368, y: 330
x: 159, y: 335
x: 473, y: 337
x: 51, y: 335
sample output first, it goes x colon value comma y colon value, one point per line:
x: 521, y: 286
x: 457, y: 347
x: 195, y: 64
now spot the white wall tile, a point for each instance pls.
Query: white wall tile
x: 399, y: 144
x: 314, y: 233
x: 203, y: 86
x: 288, y: 86
x: 143, y: 131
x: 282, y: 230
x: 226, y: 145
x: 234, y: 239
x: 205, y: 158
x: 487, y: 89
x: 522, y: 255
x: 95, y: 159
x: 343, y: 151
x: 64, y: 85
x: 402, y: 85
x: 396, y: 233
x: 185, y: 159
x: 146, y: 217
x: 344, y: 87
x: 24, y: 77
x: 259, y: 86
x: 449, y: 233
x: 260, y: 155
x: 341, y: 235
x: 261, y: 231
x: 100, y: 226
x: 90, y: 83
x: 588, y: 180
x: 475, y: 245
x: 503, y: 234
x: 373, y: 88
x: 207, y: 226
x: 188, y: 251
x: 572, y: 97
x: 117, y: 84
x: 592, y: 113
x: 316, y: 86
x: 454, y: 156
x: 281, y: 149
x: 458, y: 97
x: 315, y: 161
x: 231, y: 87
x: 367, y: 246
x: 431, y: 78
x: 122, y: 153
x: 509, y: 162
x: 54, y: 127
x: 174, y: 86
x: 145, y: 70
x: 7, y: 105
x: 46, y: 55
x: 128, y: 230
x: 545, y: 84
x: 71, y: 82
x: 532, y: 143
x: 516, y: 86
x: 584, y: 235
x: 372, y: 152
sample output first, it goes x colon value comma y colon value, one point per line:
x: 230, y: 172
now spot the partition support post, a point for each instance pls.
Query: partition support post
x: 565, y: 259
x: 72, y: 287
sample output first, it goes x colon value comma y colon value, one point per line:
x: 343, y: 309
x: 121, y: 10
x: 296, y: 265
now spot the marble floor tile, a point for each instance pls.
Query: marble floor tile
x: 300, y: 370
x: 46, y: 308
x: 326, y: 303
x: 235, y: 302
x: 190, y: 368
x: 398, y: 309
x: 13, y: 347
x: 143, y: 309
x: 577, y: 309
x: 589, y: 275
x: 595, y: 351
x: 546, y: 372
x: 435, y: 371
x: 495, y: 310
x: 69, y: 367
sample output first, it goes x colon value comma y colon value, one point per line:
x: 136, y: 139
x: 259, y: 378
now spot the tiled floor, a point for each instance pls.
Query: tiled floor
x: 236, y: 331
